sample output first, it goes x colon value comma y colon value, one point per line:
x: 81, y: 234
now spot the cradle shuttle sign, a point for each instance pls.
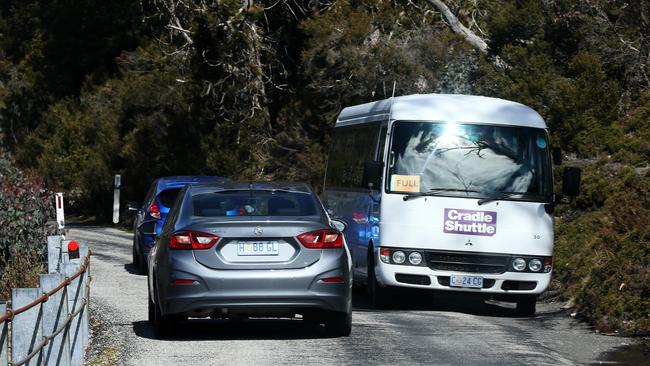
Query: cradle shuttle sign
x: 470, y: 222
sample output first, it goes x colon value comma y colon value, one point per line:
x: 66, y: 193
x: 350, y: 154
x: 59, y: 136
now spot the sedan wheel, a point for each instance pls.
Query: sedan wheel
x: 162, y: 324
x: 135, y: 257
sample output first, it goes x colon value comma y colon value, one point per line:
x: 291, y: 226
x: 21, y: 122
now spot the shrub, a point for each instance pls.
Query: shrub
x: 25, y: 207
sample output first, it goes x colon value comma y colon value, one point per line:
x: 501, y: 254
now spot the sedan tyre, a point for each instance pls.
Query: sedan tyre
x: 151, y: 312
x: 139, y: 263
x: 162, y: 324
x: 135, y: 257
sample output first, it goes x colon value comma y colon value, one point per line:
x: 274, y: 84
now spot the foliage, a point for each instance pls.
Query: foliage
x: 25, y: 207
x: 603, y: 257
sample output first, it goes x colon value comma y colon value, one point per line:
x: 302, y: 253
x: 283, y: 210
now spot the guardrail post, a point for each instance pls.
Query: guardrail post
x: 55, y: 311
x: 83, y: 254
x: 53, y: 253
x: 75, y: 296
x: 65, y: 258
x: 4, y: 337
x: 25, y: 328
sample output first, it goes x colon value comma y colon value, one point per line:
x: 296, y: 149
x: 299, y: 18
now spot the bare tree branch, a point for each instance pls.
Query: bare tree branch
x: 471, y: 37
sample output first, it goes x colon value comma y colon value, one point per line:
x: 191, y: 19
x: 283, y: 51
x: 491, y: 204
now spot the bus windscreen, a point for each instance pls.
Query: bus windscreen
x: 475, y: 160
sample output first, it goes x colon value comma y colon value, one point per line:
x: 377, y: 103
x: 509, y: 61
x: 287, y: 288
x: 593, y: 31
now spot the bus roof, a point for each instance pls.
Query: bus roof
x: 443, y: 107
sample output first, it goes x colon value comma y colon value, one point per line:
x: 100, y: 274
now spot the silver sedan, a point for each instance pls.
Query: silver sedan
x: 250, y: 249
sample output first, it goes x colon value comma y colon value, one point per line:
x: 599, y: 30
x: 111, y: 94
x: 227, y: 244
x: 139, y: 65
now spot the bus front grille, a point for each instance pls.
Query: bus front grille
x: 467, y: 262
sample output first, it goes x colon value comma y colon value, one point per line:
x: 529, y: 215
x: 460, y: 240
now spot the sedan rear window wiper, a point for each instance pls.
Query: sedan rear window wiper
x: 433, y: 191
x: 498, y: 196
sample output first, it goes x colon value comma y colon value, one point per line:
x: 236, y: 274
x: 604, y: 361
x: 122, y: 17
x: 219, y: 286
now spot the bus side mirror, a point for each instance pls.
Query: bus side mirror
x: 571, y: 181
x: 557, y: 156
x: 372, y: 173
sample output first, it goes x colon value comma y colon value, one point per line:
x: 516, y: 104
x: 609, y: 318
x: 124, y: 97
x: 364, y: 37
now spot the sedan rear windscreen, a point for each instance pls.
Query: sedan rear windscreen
x: 254, y: 203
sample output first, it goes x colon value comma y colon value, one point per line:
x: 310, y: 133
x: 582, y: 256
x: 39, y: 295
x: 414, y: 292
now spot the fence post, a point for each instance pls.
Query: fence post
x: 83, y: 254
x: 55, y: 311
x: 75, y: 330
x: 25, y: 328
x: 54, y: 243
x: 65, y: 257
x: 4, y: 337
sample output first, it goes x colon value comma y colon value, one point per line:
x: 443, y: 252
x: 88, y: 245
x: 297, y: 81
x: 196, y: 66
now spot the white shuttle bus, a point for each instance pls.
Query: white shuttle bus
x: 446, y: 192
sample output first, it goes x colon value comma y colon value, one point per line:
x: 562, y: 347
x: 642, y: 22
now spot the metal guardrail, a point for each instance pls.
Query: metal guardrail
x: 49, y: 325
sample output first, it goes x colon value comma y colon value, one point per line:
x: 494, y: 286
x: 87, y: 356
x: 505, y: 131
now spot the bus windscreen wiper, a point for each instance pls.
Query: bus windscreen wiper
x: 433, y: 191
x: 498, y: 196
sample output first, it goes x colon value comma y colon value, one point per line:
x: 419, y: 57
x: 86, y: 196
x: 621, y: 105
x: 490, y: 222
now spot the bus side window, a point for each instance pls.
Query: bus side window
x: 351, y: 147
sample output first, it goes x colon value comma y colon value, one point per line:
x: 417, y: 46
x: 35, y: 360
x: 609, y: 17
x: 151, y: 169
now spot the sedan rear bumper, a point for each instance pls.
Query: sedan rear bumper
x: 257, y: 292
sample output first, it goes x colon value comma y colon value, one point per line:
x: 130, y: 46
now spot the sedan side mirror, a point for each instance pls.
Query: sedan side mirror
x: 571, y: 181
x: 133, y: 206
x: 338, y: 225
x: 148, y: 228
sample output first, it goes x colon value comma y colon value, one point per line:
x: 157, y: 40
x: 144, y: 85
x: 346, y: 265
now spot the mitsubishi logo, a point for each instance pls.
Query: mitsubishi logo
x: 469, y: 242
x: 258, y: 231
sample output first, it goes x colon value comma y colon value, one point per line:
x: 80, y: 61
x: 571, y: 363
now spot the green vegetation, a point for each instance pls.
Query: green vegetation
x: 25, y: 207
x: 91, y: 88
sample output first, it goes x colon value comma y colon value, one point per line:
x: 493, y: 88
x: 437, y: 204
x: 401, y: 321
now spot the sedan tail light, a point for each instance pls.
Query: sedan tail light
x: 321, y: 239
x: 192, y: 240
x: 154, y: 211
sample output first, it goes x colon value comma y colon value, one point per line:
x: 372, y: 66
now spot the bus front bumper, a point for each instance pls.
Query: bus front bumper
x: 421, y: 277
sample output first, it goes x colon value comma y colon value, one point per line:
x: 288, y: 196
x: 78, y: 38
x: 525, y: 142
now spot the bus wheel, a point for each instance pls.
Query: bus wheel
x: 378, y: 295
x: 526, y: 306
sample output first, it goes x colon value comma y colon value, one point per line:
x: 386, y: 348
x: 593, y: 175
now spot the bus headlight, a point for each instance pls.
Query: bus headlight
x: 399, y: 257
x: 415, y: 258
x: 519, y: 264
x: 535, y: 265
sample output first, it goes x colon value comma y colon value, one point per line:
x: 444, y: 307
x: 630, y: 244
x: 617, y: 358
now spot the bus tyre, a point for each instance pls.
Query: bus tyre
x: 339, y: 324
x: 378, y: 295
x: 526, y: 306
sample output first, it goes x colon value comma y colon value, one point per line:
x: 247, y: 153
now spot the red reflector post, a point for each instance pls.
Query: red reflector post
x: 332, y: 280
x: 73, y: 250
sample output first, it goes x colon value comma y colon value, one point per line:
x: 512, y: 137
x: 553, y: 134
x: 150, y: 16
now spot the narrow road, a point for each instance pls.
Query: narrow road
x: 442, y: 331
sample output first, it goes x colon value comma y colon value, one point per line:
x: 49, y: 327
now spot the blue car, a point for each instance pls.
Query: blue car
x: 160, y: 197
